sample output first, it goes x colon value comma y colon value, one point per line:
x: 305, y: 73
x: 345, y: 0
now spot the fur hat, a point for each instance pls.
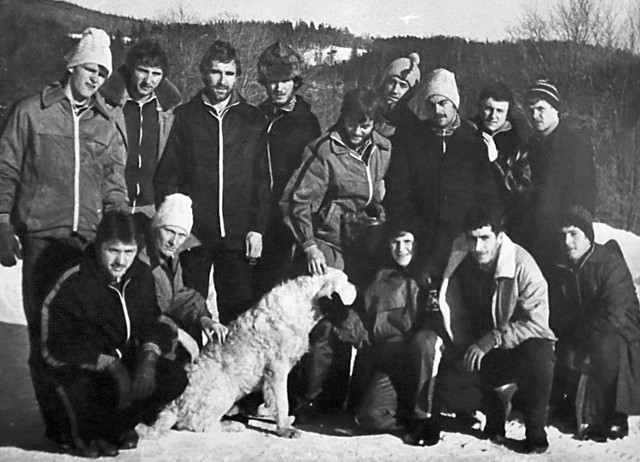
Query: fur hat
x: 175, y: 211
x: 93, y: 47
x: 279, y: 61
x: 579, y: 217
x: 543, y: 89
x: 405, y: 68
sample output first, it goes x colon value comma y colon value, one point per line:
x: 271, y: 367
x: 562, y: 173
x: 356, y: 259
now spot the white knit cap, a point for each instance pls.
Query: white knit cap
x: 93, y: 47
x: 439, y: 82
x: 174, y: 211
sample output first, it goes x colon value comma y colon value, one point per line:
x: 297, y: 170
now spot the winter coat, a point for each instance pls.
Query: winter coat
x: 332, y: 181
x: 520, y: 303
x: 184, y: 305
x: 89, y: 322
x: 220, y: 162
x: 390, y: 305
x: 563, y: 173
x: 434, y: 179
x: 166, y: 97
x: 50, y: 188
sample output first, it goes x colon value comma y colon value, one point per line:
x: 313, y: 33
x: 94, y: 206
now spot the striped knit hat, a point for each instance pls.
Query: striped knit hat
x: 543, y: 89
x: 405, y: 68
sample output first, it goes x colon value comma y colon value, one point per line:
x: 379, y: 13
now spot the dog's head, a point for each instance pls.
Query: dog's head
x: 335, y: 281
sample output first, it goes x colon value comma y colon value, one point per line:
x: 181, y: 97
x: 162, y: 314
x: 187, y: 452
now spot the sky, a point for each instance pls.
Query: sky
x: 472, y: 19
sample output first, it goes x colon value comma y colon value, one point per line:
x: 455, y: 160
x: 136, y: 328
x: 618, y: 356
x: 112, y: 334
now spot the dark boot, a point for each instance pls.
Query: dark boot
x: 424, y: 432
x: 536, y: 440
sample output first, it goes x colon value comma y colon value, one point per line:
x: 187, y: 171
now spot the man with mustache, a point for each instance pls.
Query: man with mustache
x: 147, y: 98
x: 62, y: 157
x: 291, y: 126
x: 440, y: 168
x: 216, y: 154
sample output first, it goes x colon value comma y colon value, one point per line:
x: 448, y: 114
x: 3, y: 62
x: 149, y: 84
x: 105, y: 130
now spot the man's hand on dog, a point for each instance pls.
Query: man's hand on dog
x: 214, y: 329
x: 316, y: 263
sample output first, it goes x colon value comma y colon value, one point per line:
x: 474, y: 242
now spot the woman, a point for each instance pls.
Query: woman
x: 332, y: 206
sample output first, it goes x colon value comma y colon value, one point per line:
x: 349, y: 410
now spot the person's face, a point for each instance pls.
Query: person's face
x: 394, y: 89
x: 440, y: 111
x: 575, y: 243
x: 219, y: 79
x: 85, y: 80
x: 402, y: 249
x: 543, y: 116
x: 494, y: 114
x: 169, y: 238
x: 280, y: 92
x: 484, y: 245
x: 357, y: 131
x: 116, y: 257
x: 144, y: 81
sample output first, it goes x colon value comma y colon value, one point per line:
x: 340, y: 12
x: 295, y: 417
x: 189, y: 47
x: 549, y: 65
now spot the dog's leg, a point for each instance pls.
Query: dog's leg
x: 276, y: 387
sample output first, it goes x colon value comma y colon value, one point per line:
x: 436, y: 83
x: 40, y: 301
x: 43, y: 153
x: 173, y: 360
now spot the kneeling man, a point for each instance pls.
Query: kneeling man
x: 495, y: 308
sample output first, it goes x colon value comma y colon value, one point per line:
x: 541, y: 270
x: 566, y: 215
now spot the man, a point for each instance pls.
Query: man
x: 440, y: 168
x: 62, y: 156
x: 216, y: 155
x: 102, y: 339
x: 562, y: 167
x: 147, y: 98
x: 169, y: 233
x: 505, y: 136
x: 495, y: 308
x: 398, y: 363
x: 398, y: 83
x: 595, y: 314
x: 291, y: 126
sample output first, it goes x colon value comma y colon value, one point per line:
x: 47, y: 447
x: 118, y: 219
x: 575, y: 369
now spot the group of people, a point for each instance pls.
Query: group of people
x: 146, y: 225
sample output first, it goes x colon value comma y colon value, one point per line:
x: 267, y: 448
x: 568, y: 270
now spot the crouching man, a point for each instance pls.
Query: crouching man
x: 495, y: 308
x: 595, y: 314
x: 103, y: 340
x: 397, y: 364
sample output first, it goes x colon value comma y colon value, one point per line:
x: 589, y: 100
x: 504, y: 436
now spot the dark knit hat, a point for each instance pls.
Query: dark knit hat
x: 543, y: 89
x: 580, y: 218
x: 279, y: 62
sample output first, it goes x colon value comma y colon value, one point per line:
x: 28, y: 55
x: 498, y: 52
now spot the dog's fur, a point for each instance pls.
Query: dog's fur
x: 261, y: 348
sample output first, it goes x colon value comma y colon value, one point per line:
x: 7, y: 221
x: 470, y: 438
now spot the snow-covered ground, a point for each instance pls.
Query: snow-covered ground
x: 21, y: 429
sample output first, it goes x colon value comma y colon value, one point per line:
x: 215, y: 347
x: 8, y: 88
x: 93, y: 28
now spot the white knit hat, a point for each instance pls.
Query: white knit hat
x: 93, y: 47
x: 174, y: 211
x: 439, y: 82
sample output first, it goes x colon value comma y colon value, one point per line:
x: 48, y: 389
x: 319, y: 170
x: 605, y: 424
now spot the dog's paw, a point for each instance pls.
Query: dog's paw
x: 231, y: 426
x: 288, y: 432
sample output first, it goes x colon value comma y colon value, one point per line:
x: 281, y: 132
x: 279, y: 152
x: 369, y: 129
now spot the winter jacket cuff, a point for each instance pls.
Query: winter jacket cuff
x: 308, y: 244
x: 104, y: 361
x: 151, y: 347
x: 4, y: 218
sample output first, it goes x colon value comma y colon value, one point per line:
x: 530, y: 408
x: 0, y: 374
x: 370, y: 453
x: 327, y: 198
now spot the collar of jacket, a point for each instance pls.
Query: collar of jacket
x: 578, y: 266
x: 340, y: 147
x: 54, y: 93
x: 236, y: 103
x: 505, y: 266
x: 115, y: 91
x: 447, y: 131
x: 298, y: 112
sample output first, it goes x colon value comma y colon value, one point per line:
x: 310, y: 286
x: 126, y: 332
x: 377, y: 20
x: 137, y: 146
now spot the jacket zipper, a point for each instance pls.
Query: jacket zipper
x: 76, y: 169
x: 123, y: 305
x: 269, y: 151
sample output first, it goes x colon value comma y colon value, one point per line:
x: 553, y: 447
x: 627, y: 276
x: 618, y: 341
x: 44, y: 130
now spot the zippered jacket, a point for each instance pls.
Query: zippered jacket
x: 220, y: 162
x: 520, y: 303
x: 88, y: 322
x: 59, y: 171
x: 331, y: 181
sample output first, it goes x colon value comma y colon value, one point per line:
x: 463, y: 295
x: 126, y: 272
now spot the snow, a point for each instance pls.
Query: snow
x: 338, y: 440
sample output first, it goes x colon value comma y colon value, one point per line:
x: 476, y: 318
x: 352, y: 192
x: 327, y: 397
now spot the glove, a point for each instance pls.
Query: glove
x: 121, y: 377
x: 9, y: 245
x: 144, y: 380
x: 492, y: 150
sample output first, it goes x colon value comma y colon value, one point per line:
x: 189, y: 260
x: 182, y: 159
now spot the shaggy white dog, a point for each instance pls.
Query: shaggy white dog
x: 261, y: 348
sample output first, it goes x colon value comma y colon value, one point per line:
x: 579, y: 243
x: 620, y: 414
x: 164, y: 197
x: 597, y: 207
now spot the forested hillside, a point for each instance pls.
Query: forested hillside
x: 600, y: 86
